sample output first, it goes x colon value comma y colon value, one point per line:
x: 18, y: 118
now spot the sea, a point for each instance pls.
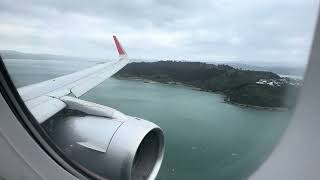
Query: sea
x: 205, y: 138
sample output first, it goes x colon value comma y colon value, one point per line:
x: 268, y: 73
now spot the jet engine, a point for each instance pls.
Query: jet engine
x: 107, y: 143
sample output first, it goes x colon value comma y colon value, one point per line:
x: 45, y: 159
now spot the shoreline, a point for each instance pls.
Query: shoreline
x: 257, y: 107
x: 199, y: 89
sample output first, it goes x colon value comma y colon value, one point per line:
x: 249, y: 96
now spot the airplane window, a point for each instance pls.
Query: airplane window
x: 160, y: 89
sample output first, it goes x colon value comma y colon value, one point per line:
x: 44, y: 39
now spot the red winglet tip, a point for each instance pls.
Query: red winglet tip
x: 119, y: 47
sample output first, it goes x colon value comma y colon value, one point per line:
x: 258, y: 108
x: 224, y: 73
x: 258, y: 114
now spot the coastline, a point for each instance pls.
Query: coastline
x: 199, y: 89
x: 257, y: 107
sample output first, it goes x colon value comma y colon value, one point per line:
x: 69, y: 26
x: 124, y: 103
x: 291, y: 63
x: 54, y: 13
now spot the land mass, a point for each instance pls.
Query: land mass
x: 11, y: 54
x: 243, y: 87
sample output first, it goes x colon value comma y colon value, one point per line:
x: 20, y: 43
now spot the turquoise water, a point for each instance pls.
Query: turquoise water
x: 206, y: 138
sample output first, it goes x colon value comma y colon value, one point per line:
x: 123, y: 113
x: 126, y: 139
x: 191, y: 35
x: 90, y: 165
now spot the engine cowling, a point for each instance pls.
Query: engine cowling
x: 115, y: 147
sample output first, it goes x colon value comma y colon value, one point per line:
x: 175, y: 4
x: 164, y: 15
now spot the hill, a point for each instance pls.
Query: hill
x: 296, y: 71
x: 9, y: 54
x: 246, y: 87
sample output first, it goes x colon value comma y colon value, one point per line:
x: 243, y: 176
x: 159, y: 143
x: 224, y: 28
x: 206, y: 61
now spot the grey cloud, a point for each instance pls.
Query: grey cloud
x: 247, y: 30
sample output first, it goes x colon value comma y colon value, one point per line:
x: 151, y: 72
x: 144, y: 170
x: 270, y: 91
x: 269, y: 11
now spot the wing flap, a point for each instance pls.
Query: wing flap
x: 44, y: 107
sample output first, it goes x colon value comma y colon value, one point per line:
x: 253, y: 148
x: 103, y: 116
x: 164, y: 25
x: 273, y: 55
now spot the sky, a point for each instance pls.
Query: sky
x: 277, y: 32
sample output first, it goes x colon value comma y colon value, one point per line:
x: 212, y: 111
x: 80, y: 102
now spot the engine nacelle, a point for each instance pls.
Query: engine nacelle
x: 108, y: 144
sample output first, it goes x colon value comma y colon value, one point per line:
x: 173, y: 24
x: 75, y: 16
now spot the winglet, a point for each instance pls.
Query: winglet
x: 120, y: 49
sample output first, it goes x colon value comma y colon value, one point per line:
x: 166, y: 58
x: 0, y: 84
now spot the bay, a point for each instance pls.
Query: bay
x: 206, y: 138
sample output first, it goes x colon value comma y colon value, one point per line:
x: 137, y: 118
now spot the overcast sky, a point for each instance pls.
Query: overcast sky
x: 249, y: 31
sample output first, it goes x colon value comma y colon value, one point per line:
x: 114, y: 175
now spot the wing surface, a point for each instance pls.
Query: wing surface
x: 43, y: 99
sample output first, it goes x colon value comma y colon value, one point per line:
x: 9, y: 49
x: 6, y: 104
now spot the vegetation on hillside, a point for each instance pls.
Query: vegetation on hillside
x: 238, y: 85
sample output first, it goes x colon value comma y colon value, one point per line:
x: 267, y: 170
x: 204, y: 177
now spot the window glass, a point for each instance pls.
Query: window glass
x: 221, y: 78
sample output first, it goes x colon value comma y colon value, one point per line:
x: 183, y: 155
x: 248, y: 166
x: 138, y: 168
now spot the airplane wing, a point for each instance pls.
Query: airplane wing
x: 95, y: 135
x: 45, y: 99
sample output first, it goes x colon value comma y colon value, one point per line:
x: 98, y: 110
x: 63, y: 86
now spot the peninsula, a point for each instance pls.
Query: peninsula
x: 259, y: 89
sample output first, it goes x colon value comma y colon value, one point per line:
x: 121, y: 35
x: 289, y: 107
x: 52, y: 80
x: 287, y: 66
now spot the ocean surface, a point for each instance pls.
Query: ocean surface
x: 206, y: 139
